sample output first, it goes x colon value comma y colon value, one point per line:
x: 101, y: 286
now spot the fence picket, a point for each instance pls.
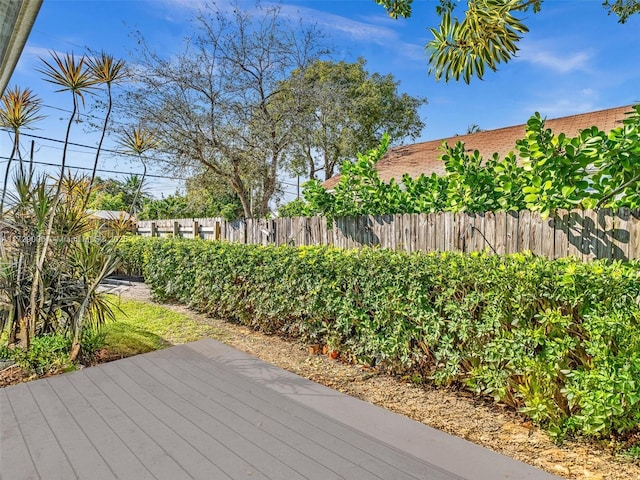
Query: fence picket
x: 584, y: 234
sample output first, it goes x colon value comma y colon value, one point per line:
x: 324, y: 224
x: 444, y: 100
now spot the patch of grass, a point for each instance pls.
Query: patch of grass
x: 632, y: 453
x: 142, y: 327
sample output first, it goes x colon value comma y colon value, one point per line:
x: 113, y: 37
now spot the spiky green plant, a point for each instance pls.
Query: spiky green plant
x: 67, y: 298
x: 106, y: 70
x: 18, y: 108
x: 138, y: 141
x: 50, y: 264
x: 73, y: 75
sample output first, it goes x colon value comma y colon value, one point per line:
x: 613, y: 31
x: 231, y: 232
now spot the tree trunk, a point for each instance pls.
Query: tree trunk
x: 245, y: 199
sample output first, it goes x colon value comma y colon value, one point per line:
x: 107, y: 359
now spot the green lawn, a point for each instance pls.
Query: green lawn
x: 142, y: 327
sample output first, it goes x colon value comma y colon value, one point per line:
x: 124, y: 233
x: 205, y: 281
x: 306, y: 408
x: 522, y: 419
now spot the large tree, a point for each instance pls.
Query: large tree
x: 218, y: 103
x: 344, y: 109
x: 486, y: 36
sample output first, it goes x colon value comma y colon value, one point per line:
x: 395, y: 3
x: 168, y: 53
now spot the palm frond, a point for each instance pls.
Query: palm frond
x: 106, y: 69
x: 19, y: 108
x: 138, y: 140
x: 69, y: 73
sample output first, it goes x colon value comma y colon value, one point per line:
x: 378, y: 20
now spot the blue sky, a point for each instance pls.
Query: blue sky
x: 574, y: 59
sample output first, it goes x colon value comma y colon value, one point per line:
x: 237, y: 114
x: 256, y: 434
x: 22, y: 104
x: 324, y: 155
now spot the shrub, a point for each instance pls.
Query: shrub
x: 558, y: 340
x: 51, y: 353
x: 47, y: 354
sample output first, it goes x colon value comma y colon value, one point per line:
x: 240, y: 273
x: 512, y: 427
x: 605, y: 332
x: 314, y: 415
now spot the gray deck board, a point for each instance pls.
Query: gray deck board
x: 103, y: 400
x: 280, y: 433
x: 287, y: 418
x: 15, y: 458
x: 120, y: 457
x: 238, y: 428
x: 48, y: 457
x: 194, y: 462
x: 84, y: 457
x: 207, y: 411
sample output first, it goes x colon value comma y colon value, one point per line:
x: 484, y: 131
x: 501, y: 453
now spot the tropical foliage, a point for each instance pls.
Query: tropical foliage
x: 544, y: 173
x: 205, y: 196
x: 123, y: 195
x: 51, y: 261
x: 487, y: 35
x: 60, y: 294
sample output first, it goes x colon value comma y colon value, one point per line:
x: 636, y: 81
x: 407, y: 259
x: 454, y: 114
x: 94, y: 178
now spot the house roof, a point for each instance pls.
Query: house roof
x: 16, y: 20
x: 424, y: 158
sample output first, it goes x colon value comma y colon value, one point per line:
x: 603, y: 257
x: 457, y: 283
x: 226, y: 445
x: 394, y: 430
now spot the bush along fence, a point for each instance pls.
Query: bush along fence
x: 559, y: 340
x: 584, y: 234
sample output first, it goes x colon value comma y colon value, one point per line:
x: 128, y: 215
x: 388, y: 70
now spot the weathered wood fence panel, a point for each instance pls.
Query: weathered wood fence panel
x: 588, y: 234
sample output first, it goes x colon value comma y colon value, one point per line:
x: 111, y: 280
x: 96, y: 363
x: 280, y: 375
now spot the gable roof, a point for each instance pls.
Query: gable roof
x: 420, y: 158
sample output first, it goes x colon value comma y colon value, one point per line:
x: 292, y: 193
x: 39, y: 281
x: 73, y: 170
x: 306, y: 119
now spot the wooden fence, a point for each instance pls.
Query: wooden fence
x: 587, y: 234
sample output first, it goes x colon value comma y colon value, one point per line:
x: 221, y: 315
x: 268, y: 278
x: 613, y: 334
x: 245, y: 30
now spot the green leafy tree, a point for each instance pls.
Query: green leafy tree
x: 487, y: 35
x: 206, y: 196
x: 344, y: 109
x: 107, y: 201
x: 292, y: 209
x: 114, y: 194
x: 172, y: 206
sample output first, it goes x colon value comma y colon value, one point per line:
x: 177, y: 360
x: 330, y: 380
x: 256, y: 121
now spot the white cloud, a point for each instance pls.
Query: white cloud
x: 40, y: 52
x: 30, y: 58
x: 336, y: 23
x: 358, y: 31
x: 565, y: 98
x: 414, y: 52
x: 539, y: 54
x: 376, y: 31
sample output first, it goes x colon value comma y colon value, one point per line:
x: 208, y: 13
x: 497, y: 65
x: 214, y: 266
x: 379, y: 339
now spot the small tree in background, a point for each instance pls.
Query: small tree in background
x: 218, y: 104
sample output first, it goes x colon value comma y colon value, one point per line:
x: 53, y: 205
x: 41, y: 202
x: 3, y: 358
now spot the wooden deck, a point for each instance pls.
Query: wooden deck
x: 206, y: 411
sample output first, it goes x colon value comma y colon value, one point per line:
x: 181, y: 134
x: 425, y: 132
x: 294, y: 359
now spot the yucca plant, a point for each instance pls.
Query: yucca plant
x: 75, y: 263
x: 51, y: 263
x: 106, y: 70
x: 138, y: 141
x: 18, y: 108
x: 73, y: 75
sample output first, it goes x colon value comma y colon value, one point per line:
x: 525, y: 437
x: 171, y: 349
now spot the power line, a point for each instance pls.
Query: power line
x: 116, y: 152
x: 91, y: 147
x: 81, y: 114
x: 75, y: 167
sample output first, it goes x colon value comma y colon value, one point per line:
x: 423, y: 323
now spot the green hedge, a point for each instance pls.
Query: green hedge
x: 558, y: 340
